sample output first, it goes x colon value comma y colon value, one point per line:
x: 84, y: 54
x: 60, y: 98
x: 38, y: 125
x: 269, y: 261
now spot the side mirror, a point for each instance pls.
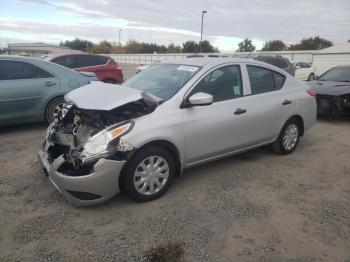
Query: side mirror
x: 297, y: 67
x: 200, y: 99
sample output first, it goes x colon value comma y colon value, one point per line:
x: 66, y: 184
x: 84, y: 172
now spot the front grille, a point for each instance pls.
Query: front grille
x: 324, y: 104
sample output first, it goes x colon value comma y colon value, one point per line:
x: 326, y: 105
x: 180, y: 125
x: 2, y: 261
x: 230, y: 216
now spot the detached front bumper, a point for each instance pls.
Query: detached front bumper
x: 98, y: 186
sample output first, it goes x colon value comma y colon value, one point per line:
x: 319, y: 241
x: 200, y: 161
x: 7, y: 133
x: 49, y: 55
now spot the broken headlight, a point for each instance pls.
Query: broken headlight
x: 102, y: 144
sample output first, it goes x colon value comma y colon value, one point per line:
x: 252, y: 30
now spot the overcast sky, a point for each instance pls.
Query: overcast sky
x: 226, y: 23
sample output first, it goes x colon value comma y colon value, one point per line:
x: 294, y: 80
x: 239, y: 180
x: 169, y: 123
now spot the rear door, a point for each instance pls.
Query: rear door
x: 23, y: 87
x: 268, y: 106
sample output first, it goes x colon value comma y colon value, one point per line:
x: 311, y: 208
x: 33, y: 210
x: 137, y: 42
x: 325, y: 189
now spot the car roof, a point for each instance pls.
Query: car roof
x: 212, y: 61
x: 52, y: 56
x: 342, y: 66
x: 17, y: 57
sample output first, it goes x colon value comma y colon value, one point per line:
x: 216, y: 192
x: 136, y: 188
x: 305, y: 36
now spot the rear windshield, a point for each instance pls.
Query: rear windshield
x: 278, y: 62
x: 162, y: 80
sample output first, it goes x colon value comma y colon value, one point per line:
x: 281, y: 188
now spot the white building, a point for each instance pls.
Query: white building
x: 332, y: 56
x: 36, y: 49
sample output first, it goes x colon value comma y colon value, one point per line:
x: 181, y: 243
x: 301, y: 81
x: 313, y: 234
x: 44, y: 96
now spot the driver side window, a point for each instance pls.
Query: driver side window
x: 224, y: 83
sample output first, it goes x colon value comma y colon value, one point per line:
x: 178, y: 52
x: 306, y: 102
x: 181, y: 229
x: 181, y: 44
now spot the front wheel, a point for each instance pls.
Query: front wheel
x: 288, y: 139
x: 149, y: 174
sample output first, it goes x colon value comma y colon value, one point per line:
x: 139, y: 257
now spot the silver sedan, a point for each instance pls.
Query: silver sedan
x: 138, y: 137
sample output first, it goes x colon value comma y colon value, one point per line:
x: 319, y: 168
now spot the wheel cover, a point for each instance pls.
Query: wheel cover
x: 290, y: 136
x: 60, y: 107
x: 151, y: 175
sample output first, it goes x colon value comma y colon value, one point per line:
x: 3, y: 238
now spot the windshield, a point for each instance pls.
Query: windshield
x: 340, y: 74
x: 163, y: 80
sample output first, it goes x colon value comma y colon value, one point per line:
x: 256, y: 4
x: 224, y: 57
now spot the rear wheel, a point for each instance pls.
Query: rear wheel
x: 149, y: 174
x: 55, y: 108
x: 288, y: 139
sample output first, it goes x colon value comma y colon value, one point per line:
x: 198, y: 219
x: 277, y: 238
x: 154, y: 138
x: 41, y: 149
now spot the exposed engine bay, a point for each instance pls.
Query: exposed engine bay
x: 72, y: 131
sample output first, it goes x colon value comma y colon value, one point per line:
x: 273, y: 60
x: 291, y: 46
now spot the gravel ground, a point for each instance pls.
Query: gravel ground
x: 253, y: 207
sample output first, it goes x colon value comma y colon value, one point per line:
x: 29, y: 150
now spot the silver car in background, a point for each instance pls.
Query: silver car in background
x: 170, y: 117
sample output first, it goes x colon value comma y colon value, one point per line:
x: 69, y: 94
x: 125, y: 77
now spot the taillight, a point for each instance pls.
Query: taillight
x: 311, y: 93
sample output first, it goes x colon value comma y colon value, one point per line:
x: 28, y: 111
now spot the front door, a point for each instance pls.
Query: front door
x: 213, y: 129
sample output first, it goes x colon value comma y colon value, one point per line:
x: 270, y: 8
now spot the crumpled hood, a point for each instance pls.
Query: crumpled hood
x: 102, y: 96
x: 332, y: 88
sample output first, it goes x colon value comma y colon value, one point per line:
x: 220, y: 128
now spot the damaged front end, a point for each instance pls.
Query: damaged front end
x: 333, y: 106
x: 84, y: 152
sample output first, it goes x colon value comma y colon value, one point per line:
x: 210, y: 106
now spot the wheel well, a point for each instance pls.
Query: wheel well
x: 171, y: 148
x: 48, y: 105
x: 301, y: 123
x: 109, y: 80
x: 161, y: 143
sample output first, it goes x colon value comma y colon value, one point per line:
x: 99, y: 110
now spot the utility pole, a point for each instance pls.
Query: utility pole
x: 119, y: 36
x: 200, y: 43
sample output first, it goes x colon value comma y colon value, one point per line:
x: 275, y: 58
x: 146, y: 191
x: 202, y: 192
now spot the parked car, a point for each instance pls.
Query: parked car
x: 304, y: 71
x: 32, y: 90
x: 333, y: 92
x: 170, y: 117
x: 141, y: 68
x: 278, y: 61
x: 105, y: 68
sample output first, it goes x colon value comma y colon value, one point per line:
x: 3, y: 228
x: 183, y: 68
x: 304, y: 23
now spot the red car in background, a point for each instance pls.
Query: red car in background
x: 105, y: 68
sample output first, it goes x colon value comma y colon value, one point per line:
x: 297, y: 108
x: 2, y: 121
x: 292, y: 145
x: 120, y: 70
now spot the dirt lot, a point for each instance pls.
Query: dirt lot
x: 254, y: 207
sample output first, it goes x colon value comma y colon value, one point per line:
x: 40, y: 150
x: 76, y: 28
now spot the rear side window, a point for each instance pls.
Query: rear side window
x: 89, y: 60
x: 263, y: 80
x: 84, y: 61
x: 66, y: 61
x: 15, y: 70
x: 101, y: 60
x: 278, y: 62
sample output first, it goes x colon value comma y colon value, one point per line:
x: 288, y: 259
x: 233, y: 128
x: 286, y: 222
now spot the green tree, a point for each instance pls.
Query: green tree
x: 246, y: 46
x: 312, y: 43
x: 208, y: 48
x: 190, y: 47
x: 152, y: 48
x: 103, y: 47
x: 274, y: 45
x: 78, y: 44
x: 174, y: 49
x: 133, y: 47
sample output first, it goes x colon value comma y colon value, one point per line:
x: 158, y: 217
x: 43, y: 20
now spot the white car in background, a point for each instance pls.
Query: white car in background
x: 141, y: 68
x: 304, y: 71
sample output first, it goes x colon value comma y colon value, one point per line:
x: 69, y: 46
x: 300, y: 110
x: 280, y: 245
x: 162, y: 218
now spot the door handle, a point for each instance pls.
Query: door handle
x: 286, y: 102
x: 50, y: 84
x: 240, y: 111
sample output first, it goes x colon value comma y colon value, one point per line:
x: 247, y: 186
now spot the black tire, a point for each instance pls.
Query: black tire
x: 311, y: 77
x: 128, y: 180
x: 52, y: 108
x: 110, y: 81
x: 278, y: 146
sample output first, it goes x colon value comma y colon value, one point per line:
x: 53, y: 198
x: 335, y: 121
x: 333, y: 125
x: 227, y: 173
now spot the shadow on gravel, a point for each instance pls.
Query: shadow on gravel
x: 342, y: 119
x: 169, y: 252
x: 23, y: 128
